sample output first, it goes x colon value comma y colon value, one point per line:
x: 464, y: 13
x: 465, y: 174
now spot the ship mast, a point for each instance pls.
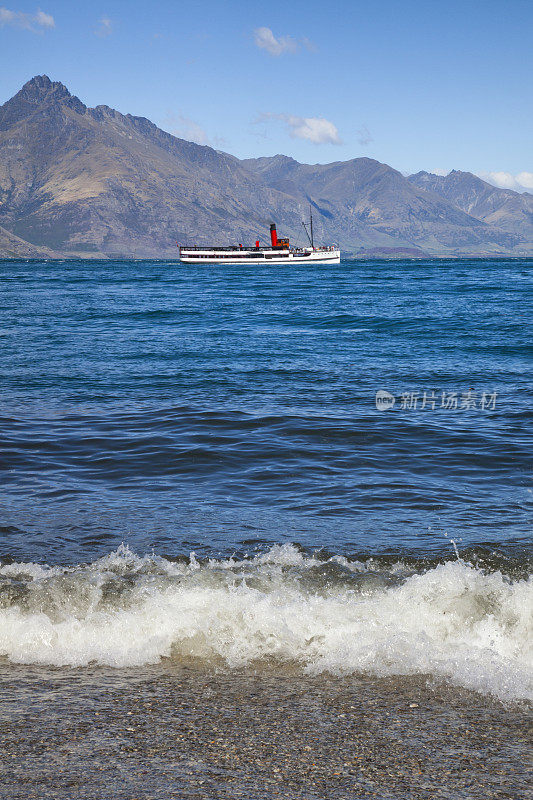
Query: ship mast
x: 306, y: 232
x: 310, y: 237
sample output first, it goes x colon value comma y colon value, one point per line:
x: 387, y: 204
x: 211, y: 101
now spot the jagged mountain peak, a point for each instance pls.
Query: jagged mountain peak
x: 459, y: 174
x: 502, y: 208
x: 455, y: 178
x: 282, y: 157
x: 271, y: 162
x: 37, y: 94
x: 40, y: 87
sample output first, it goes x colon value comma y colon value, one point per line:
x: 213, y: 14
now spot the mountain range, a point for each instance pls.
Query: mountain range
x: 92, y: 182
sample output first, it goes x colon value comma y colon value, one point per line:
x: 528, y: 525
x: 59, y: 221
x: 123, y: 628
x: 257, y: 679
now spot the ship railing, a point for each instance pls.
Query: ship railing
x: 231, y: 248
x: 237, y: 249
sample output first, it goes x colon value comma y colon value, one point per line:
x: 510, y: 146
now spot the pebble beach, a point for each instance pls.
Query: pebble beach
x: 191, y: 733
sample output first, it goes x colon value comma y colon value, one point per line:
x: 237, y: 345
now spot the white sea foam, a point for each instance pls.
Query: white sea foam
x: 453, y: 621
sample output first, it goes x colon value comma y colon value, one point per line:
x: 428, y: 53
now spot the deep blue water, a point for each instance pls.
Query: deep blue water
x: 219, y: 409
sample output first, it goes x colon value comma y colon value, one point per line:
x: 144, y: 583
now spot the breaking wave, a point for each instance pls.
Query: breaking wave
x: 454, y: 621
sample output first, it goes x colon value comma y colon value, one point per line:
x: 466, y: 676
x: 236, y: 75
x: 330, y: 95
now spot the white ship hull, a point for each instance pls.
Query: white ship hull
x: 319, y: 255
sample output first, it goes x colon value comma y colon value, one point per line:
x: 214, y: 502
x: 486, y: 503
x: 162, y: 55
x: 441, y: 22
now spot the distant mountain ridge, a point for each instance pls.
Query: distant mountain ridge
x: 94, y: 182
x: 502, y: 208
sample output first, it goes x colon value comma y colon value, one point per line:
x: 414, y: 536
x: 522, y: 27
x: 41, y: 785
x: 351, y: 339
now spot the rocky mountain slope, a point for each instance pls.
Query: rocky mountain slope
x: 93, y: 182
x: 501, y: 208
x: 12, y: 246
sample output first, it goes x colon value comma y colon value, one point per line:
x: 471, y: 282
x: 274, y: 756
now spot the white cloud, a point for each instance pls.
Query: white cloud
x: 439, y: 171
x: 185, y: 128
x: 105, y: 28
x: 44, y: 20
x: 276, y: 45
x: 8, y: 17
x: 525, y: 179
x: 30, y: 22
x: 522, y: 182
x: 314, y: 129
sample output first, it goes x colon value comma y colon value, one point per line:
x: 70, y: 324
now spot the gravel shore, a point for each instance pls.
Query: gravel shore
x: 169, y: 732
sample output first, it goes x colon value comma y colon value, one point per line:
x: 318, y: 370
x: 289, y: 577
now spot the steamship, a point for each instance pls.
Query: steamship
x: 279, y: 252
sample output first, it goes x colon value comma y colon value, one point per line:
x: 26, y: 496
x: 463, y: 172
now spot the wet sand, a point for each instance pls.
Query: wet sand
x: 189, y: 732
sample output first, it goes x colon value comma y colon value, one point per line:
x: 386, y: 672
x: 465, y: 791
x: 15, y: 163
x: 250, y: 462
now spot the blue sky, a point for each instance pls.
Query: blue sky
x: 418, y: 85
